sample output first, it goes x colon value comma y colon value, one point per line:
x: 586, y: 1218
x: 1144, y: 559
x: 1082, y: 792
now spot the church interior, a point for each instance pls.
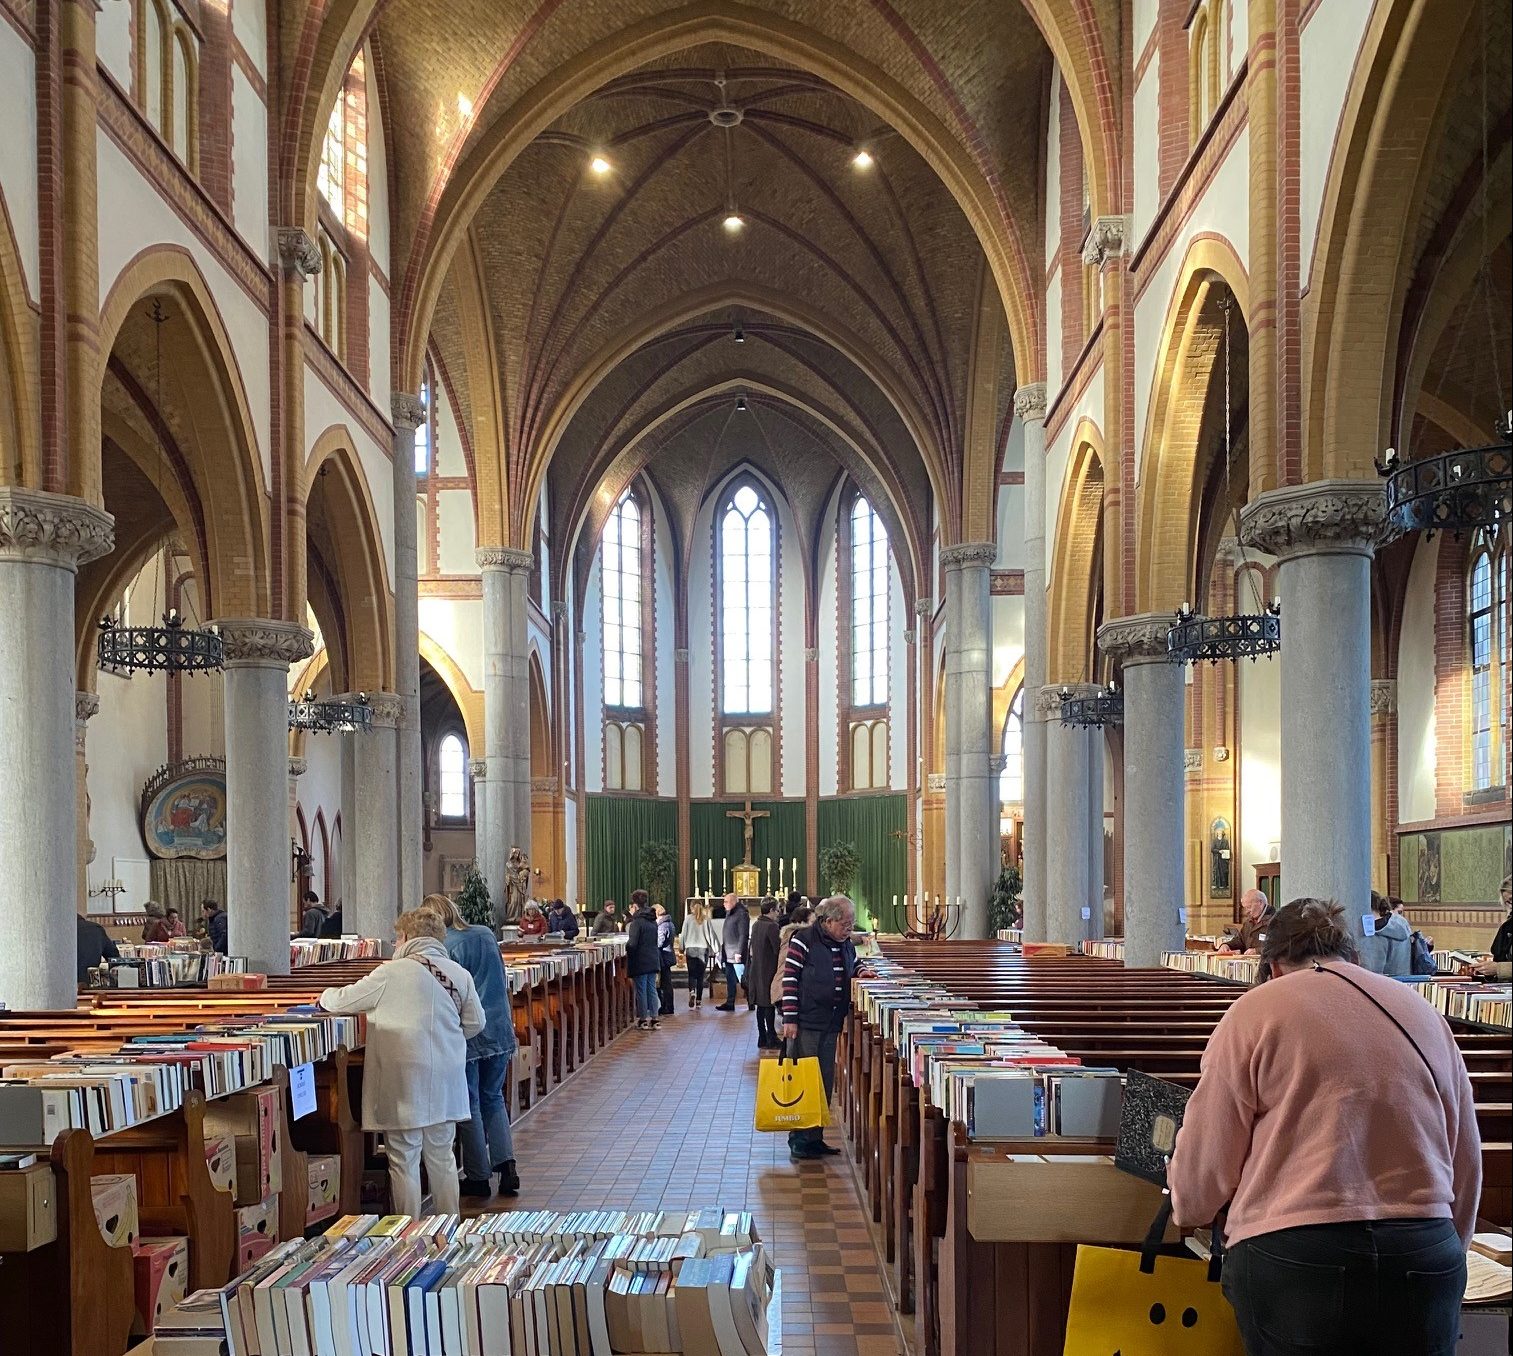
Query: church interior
x: 1039, y: 470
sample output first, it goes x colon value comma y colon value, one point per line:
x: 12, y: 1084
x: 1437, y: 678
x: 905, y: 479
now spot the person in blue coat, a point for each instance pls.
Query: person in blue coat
x: 487, y: 1144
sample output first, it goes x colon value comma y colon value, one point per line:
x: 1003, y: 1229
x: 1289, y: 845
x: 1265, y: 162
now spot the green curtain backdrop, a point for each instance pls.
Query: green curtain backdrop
x: 871, y: 823
x: 616, y: 826
x: 713, y: 836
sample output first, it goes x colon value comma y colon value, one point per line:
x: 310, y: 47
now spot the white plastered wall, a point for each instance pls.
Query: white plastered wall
x: 1415, y: 690
x: 18, y: 150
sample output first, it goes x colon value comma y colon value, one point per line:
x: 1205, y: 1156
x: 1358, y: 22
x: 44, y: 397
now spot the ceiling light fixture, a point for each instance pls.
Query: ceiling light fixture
x: 863, y: 159
x: 739, y: 335
x: 740, y: 404
x: 733, y: 221
x: 600, y: 165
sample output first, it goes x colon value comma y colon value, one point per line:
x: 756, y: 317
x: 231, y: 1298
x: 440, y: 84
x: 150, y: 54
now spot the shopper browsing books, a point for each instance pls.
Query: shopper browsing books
x: 735, y: 939
x: 666, y: 958
x: 698, y: 945
x: 422, y: 1007
x: 642, y: 961
x: 761, y: 970
x: 1498, y: 964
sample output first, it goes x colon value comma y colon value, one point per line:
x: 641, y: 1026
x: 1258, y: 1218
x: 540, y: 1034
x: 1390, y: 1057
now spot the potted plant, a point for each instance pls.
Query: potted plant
x: 840, y: 864
x: 1003, y: 904
x: 473, y: 899
x: 658, y: 864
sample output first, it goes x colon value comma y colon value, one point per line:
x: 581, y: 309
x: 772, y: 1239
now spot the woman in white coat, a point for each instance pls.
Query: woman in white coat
x: 422, y: 1007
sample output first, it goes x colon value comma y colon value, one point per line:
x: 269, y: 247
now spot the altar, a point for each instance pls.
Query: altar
x: 745, y: 878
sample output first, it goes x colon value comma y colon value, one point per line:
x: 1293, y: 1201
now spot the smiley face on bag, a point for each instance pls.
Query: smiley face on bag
x: 789, y: 1091
x: 1119, y: 1310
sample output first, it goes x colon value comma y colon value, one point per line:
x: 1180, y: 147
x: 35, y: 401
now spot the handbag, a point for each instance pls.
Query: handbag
x: 1157, y: 1300
x: 791, y: 1095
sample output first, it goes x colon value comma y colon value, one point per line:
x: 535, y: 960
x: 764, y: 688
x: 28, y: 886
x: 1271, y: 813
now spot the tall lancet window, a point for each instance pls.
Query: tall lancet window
x: 1487, y: 617
x: 863, y: 582
x: 625, y: 559
x: 746, y: 605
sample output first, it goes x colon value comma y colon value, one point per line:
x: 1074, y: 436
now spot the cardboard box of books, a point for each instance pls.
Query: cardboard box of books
x: 251, y: 1119
x: 160, y: 1270
x: 250, y: 1248
x: 258, y: 1221
x: 325, y: 1187
x: 115, y: 1202
x: 220, y: 1158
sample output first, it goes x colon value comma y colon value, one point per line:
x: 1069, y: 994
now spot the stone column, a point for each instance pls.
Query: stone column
x: 1155, y: 786
x: 347, y: 862
x: 1068, y: 820
x: 377, y: 899
x: 43, y: 540
x: 297, y: 769
x: 258, y: 655
x: 1323, y: 535
x: 407, y: 412
x: 506, y: 710
x: 1383, y: 808
x: 1029, y: 407
x: 1093, y: 924
x: 478, y: 769
x: 971, y: 795
x: 86, y: 707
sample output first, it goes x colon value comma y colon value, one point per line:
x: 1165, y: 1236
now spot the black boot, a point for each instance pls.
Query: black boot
x: 509, y: 1179
x: 476, y: 1187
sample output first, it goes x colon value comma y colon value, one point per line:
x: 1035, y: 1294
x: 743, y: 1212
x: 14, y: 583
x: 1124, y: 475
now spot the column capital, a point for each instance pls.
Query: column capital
x: 910, y: 636
x: 86, y: 706
x: 1192, y: 761
x: 924, y: 606
x: 479, y: 769
x: 559, y: 609
x: 679, y: 655
x: 1048, y: 700
x: 811, y: 654
x: 388, y: 710
x: 1383, y: 696
x: 297, y: 252
x: 1029, y: 401
x: 504, y: 557
x: 406, y: 410
x: 52, y: 529
x: 935, y: 781
x: 1105, y: 240
x: 298, y: 767
x: 257, y: 640
x: 1136, y: 639
x: 967, y: 553
x: 1326, y: 517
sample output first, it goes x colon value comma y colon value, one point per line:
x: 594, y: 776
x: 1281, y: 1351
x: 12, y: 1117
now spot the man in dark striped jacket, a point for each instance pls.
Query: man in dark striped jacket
x: 816, y: 997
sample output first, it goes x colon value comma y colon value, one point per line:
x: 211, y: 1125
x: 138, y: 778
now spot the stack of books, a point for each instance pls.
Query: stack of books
x: 39, y: 1099
x: 441, y: 1286
x: 1470, y: 1000
x: 1105, y: 948
x: 320, y: 950
x: 179, y: 964
x: 1241, y: 969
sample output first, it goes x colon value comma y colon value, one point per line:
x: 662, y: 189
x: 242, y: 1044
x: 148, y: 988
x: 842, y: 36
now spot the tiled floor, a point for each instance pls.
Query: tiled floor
x: 663, y: 1120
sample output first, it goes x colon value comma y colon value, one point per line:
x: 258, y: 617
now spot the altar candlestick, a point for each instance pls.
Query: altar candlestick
x: 782, y: 866
x: 795, y: 873
x: 769, y: 875
x: 696, y: 875
x: 725, y: 873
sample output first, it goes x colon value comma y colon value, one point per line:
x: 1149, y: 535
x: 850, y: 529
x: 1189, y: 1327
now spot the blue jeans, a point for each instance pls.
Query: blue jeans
x: 1361, y: 1289
x: 486, y: 1139
x: 646, y: 997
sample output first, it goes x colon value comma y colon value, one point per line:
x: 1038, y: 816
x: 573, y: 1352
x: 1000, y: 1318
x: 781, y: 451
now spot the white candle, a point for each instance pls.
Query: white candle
x: 769, y: 875
x: 795, y: 873
x: 781, y: 865
x: 696, y: 875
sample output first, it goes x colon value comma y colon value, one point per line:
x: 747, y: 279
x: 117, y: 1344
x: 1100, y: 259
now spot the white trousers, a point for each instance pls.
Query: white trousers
x: 405, y: 1149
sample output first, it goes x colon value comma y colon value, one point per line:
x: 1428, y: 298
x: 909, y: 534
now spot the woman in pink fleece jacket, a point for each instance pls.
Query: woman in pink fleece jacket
x: 1334, y: 1118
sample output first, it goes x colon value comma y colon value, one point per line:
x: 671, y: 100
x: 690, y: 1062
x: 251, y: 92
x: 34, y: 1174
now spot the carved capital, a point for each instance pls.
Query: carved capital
x: 559, y: 609
x: 1192, y: 761
x: 910, y: 636
x: 406, y: 410
x: 298, y: 767
x: 935, y: 781
x: 1327, y: 517
x: 1105, y: 240
x: 86, y: 705
x: 968, y: 553
x: 1138, y: 639
x: 479, y: 769
x: 298, y: 252
x: 504, y: 558
x: 253, y: 640
x: 1229, y: 552
x: 52, y: 529
x: 997, y: 764
x: 811, y: 654
x: 1048, y: 700
x: 1383, y: 696
x: 924, y: 606
x: 1029, y: 401
x: 388, y: 710
x: 544, y: 785
x: 679, y: 656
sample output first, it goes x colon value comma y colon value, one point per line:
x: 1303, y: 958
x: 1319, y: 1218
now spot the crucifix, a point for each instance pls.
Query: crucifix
x: 748, y: 817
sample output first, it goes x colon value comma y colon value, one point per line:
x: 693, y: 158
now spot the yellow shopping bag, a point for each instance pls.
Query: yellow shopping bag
x: 1171, y: 1309
x: 791, y: 1095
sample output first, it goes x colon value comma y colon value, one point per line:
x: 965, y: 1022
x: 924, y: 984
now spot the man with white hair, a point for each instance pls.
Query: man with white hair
x: 816, y: 997
x: 1256, y: 914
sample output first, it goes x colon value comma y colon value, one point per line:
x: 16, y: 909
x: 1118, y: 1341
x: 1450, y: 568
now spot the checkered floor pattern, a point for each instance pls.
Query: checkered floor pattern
x: 663, y: 1120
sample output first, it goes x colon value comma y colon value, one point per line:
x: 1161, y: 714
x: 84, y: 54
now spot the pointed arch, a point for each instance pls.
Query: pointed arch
x: 469, y: 701
x: 543, y: 759
x: 1076, y: 573
x: 20, y: 450
x: 1170, y: 485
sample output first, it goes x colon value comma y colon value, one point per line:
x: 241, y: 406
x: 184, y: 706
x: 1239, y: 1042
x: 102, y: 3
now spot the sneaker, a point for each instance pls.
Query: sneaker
x: 654, y: 1026
x: 475, y: 1186
x: 509, y: 1179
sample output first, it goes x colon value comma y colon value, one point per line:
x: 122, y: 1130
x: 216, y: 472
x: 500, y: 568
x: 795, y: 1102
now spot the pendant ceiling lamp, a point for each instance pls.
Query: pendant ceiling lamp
x: 1094, y: 710
x: 336, y: 715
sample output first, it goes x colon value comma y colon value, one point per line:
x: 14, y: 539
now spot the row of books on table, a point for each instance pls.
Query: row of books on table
x: 982, y: 1069
x: 526, y: 972
x: 586, y: 1284
x: 172, y: 965
x: 321, y: 950
x: 1241, y: 969
x: 1469, y: 1000
x: 150, y: 1074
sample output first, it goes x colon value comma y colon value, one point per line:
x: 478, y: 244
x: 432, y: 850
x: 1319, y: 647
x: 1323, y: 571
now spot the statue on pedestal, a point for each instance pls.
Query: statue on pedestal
x: 517, y: 886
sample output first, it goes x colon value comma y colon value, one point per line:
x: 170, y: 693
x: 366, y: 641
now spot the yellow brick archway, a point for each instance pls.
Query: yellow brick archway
x: 1076, y: 573
x: 20, y: 452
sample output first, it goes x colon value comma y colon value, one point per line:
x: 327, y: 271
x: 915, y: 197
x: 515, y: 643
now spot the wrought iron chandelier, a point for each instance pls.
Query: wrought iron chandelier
x: 1094, y: 711
x: 336, y: 715
x: 1465, y: 490
x: 1245, y: 635
x: 169, y: 648
x: 172, y: 647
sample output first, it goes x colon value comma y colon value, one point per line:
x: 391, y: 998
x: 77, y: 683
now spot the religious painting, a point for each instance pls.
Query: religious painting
x: 1429, y: 869
x: 184, y: 810
x: 1221, y: 860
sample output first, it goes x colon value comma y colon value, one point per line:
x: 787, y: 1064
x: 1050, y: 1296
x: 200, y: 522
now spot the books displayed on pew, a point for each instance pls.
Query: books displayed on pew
x: 1241, y: 969
x: 542, y: 1284
x: 1469, y: 1000
x: 321, y: 950
x: 178, y: 964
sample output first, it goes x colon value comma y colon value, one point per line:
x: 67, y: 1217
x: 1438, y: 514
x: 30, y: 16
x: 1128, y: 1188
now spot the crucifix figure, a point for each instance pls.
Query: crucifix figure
x: 748, y: 817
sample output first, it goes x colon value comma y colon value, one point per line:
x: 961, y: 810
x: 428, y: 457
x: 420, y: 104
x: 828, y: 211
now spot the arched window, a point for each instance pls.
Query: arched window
x: 1487, y: 643
x: 330, y: 174
x: 623, y: 601
x: 1011, y: 779
x: 869, y: 606
x: 423, y: 430
x: 1202, y: 73
x: 185, y: 95
x: 452, y: 777
x: 156, y: 60
x: 746, y: 544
